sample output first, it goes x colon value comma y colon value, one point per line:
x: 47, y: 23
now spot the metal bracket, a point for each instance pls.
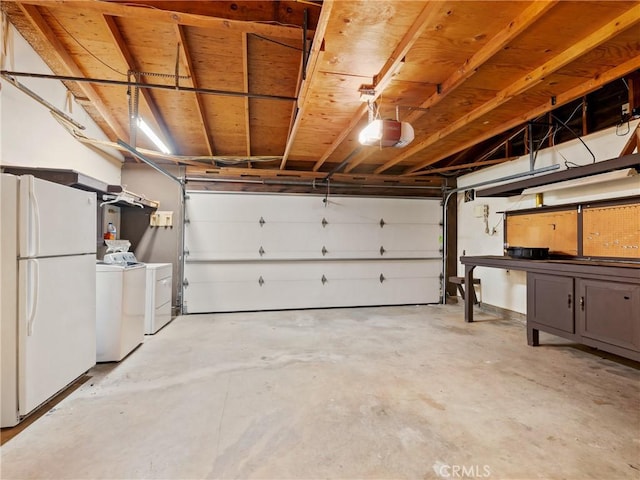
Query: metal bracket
x: 185, y: 282
x: 382, y: 224
x: 186, y: 253
x: 261, y: 281
x: 324, y: 279
x: 324, y: 250
x: 261, y: 221
x: 324, y: 222
x: 261, y: 251
x: 382, y: 279
x: 382, y: 250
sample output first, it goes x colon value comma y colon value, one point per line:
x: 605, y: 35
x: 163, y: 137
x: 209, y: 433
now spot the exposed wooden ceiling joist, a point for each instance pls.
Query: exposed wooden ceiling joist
x: 193, y: 83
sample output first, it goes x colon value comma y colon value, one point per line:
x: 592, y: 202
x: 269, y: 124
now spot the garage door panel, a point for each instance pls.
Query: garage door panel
x: 231, y: 286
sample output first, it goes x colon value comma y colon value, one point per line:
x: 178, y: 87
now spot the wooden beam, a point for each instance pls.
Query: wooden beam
x: 272, y: 174
x: 524, y: 83
x: 362, y: 109
x: 311, y: 69
x: 32, y: 14
x: 167, y: 16
x: 245, y: 69
x: 130, y: 62
x: 518, y: 25
x: 193, y: 83
x: 483, y: 163
x: 561, y: 99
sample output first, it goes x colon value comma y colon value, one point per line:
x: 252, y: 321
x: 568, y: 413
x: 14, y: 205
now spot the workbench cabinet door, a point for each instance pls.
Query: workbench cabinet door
x: 550, y: 301
x: 609, y: 312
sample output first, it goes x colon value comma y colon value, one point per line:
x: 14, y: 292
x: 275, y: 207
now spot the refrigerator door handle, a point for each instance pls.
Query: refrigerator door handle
x: 33, y: 280
x: 34, y: 227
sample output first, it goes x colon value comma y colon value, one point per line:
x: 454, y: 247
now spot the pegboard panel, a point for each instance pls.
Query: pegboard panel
x: 556, y: 230
x: 612, y: 231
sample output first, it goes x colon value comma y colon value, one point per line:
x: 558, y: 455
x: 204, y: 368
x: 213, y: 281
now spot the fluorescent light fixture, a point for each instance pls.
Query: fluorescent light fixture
x: 152, y: 136
x: 579, y: 182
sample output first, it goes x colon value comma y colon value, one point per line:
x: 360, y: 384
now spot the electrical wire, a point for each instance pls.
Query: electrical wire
x: 87, y: 50
x: 567, y: 163
x: 276, y: 42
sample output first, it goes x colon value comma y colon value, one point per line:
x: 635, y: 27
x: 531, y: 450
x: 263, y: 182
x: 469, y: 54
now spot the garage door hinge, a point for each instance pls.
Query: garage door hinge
x: 261, y: 251
x: 187, y: 221
x: 324, y: 250
x: 185, y: 282
x: 324, y: 222
x: 186, y: 253
x: 382, y: 224
x: 382, y: 250
x: 382, y: 279
x: 261, y: 281
x: 324, y: 279
x: 261, y: 221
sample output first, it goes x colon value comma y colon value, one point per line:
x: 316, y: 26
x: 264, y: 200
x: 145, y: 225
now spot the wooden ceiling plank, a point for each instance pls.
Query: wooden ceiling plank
x: 186, y: 54
x: 389, y: 69
x: 523, y: 21
x: 32, y: 14
x: 343, y: 134
x: 528, y: 17
x: 561, y: 99
x: 130, y: 61
x: 245, y: 67
x: 518, y: 25
x: 601, y: 35
x: 311, y: 69
x: 167, y: 16
x: 382, y: 79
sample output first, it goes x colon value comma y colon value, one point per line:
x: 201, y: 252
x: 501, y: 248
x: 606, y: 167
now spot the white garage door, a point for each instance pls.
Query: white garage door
x: 266, y: 252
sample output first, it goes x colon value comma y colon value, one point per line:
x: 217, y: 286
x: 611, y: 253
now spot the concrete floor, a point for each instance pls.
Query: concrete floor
x: 392, y: 392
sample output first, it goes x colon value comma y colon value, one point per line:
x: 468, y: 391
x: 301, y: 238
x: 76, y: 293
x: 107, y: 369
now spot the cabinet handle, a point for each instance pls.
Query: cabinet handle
x: 569, y: 301
x: 582, y: 303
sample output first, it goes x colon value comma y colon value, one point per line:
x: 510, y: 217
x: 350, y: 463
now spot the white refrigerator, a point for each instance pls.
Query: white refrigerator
x: 47, y: 293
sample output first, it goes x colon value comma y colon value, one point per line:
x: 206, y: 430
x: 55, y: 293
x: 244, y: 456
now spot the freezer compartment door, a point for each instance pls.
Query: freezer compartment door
x: 55, y: 219
x: 56, y: 325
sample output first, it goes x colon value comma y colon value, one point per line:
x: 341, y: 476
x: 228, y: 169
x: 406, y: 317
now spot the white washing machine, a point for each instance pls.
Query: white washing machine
x: 158, y: 297
x: 120, y: 306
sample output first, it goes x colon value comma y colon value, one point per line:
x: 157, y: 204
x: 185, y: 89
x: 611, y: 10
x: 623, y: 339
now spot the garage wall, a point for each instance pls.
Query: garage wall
x: 31, y: 137
x: 153, y: 245
x: 507, y: 289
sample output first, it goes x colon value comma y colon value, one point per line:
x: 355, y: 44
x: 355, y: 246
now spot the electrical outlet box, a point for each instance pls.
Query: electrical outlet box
x: 480, y: 211
x: 161, y: 219
x: 469, y: 195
